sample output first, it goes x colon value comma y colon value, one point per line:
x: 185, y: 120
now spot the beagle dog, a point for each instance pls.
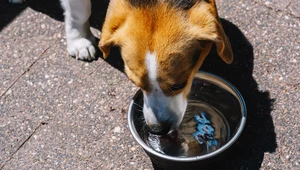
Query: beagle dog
x: 163, y: 43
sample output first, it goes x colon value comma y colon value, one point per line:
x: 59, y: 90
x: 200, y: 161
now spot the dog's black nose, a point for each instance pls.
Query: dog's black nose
x: 161, y: 128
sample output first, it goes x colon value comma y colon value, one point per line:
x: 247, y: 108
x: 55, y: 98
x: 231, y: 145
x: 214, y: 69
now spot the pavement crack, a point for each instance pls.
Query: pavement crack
x: 289, y: 4
x: 27, y: 70
x: 22, y: 144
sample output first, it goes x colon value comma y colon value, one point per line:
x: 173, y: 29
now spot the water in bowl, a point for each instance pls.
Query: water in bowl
x: 203, y: 130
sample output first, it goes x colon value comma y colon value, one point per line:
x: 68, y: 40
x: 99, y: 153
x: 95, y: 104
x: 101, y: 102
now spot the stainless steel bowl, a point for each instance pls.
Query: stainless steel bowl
x: 205, y: 87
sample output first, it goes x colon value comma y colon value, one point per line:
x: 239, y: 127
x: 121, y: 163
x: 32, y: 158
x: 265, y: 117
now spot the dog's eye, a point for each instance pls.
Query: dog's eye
x: 178, y: 86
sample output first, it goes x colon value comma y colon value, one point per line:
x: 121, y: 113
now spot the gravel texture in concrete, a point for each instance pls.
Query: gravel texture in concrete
x: 60, y: 113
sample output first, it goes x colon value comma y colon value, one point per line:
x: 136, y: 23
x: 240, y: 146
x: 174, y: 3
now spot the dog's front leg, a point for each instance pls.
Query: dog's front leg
x: 80, y: 41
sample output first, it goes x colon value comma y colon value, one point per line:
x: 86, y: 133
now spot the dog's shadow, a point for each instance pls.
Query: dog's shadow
x: 258, y: 136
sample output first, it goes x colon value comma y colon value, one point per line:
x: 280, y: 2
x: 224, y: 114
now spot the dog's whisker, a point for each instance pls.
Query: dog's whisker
x: 141, y: 121
x: 139, y: 110
x: 138, y: 105
x: 188, y: 107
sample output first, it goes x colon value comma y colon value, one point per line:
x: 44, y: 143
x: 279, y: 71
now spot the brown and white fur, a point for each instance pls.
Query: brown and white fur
x: 163, y: 43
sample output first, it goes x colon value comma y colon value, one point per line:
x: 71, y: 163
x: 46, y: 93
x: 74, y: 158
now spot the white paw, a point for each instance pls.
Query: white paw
x: 16, y: 1
x: 82, y: 48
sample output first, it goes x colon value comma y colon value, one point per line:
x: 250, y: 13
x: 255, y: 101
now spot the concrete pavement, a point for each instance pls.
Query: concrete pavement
x: 60, y: 113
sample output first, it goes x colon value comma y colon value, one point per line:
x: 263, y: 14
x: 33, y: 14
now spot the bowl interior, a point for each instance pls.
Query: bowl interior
x: 206, y: 88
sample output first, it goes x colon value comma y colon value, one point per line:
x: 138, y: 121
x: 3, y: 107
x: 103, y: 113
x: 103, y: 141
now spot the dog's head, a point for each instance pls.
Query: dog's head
x: 163, y: 43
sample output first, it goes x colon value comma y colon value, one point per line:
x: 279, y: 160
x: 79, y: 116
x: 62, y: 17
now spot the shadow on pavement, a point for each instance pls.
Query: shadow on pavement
x: 8, y: 12
x: 52, y: 8
x: 258, y: 137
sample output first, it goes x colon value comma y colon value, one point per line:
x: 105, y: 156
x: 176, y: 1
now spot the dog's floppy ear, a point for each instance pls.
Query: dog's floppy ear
x: 206, y: 26
x: 115, y: 18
